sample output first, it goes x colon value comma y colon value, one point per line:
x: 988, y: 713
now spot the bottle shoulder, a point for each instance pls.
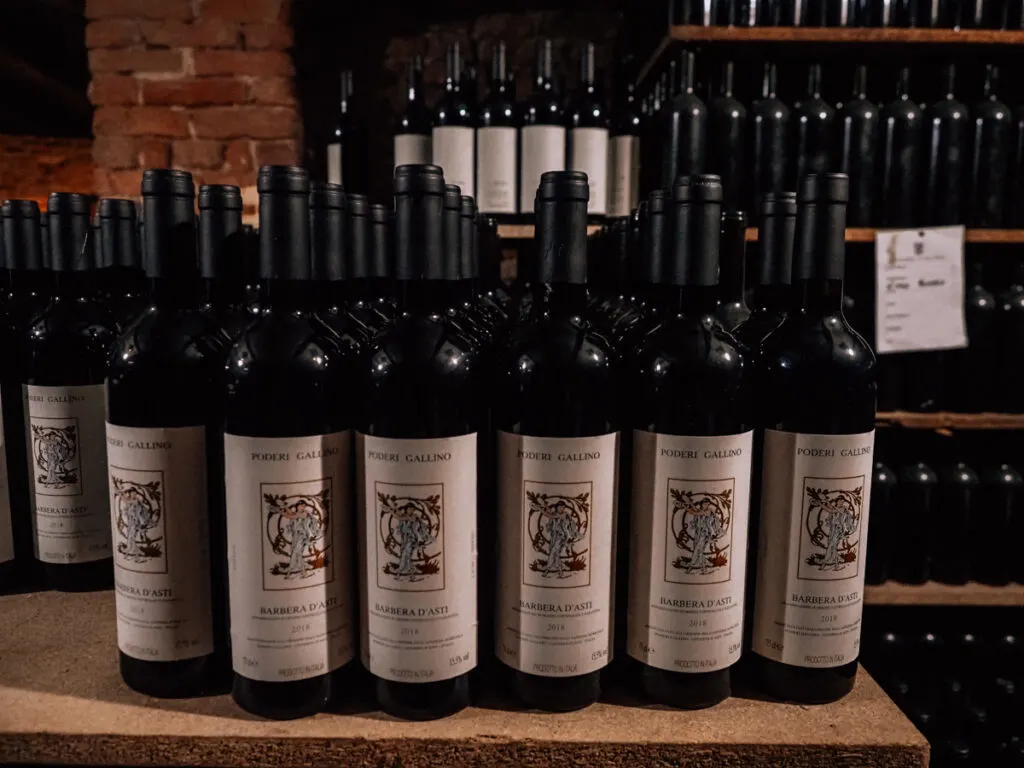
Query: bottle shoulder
x: 63, y: 321
x: 280, y: 343
x: 417, y: 346
x: 555, y: 344
x: 685, y: 345
x: 163, y: 339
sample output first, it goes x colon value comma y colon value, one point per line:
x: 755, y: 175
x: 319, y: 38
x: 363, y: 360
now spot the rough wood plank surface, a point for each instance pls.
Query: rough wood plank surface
x: 933, y: 593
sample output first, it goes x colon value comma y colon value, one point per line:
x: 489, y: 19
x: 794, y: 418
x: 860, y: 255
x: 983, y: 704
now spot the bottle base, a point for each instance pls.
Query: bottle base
x: 183, y: 679
x: 423, y: 701
x: 282, y: 701
x: 80, y: 577
x: 557, y: 694
x: 803, y: 684
x: 682, y: 690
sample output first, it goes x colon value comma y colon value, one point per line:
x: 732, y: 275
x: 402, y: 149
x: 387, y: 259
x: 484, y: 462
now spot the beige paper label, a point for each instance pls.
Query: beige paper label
x: 454, y: 148
x: 68, y: 472
x: 691, y: 500
x: 496, y: 169
x: 289, y: 555
x: 161, y: 532
x: 543, y: 148
x: 809, y: 594
x: 590, y: 155
x: 6, y: 531
x: 625, y: 175
x: 412, y: 149
x: 556, y: 540
x: 334, y: 168
x: 418, y: 523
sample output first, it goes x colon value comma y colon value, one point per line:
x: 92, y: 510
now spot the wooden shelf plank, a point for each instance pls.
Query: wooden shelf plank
x: 946, y: 420
x: 846, y: 35
x: 62, y: 702
x: 933, y: 593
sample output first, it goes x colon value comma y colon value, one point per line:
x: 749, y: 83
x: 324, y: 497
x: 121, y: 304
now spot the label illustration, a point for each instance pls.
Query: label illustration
x: 68, y: 467
x: 288, y: 550
x: 810, y: 575
x: 691, y: 498
x: 160, y: 526
x: 556, y: 552
x: 418, y: 524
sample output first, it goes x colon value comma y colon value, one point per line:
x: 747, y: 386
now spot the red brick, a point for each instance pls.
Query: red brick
x: 155, y: 154
x: 263, y: 36
x: 130, y: 60
x: 246, y: 122
x: 119, y: 183
x: 206, y: 33
x: 238, y: 156
x: 257, y: 63
x: 113, y: 89
x: 194, y: 92
x: 244, y: 10
x: 277, y: 152
x: 198, y: 154
x: 109, y: 121
x: 111, y: 33
x: 156, y: 121
x: 115, y: 152
x: 139, y: 9
x: 279, y: 91
x: 223, y: 177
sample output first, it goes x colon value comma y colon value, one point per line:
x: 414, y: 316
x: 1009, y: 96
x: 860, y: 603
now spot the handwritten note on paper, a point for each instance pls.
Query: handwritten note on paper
x: 919, y: 290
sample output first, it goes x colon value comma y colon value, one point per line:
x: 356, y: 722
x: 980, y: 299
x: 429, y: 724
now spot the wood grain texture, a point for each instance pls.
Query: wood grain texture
x: 944, y: 420
x: 846, y: 35
x: 853, y: 234
x: 933, y: 593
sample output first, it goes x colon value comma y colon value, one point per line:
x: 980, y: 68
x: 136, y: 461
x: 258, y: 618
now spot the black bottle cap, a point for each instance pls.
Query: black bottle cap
x: 169, y: 237
x: 22, y: 235
x: 380, y: 253
x: 284, y: 222
x: 468, y: 265
x: 358, y: 234
x: 677, y: 256
x: 656, y: 239
x: 221, y: 237
x: 419, y: 212
x: 68, y: 217
x: 119, y: 233
x: 776, y: 238
x: 561, y: 211
x: 452, y: 227
x: 328, y: 214
x: 821, y: 227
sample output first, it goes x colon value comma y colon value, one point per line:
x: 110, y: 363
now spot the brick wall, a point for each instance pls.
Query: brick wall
x: 202, y: 85
x: 32, y: 167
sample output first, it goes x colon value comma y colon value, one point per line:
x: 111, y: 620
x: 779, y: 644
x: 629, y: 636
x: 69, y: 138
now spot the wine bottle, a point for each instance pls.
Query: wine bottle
x: 805, y: 555
x: 969, y: 373
x: 993, y: 136
x: 647, y: 267
x: 120, y: 246
x: 497, y: 161
x: 939, y: 13
x: 769, y: 131
x: 683, y: 128
x: 379, y: 280
x: 727, y: 123
x: 588, y: 137
x: 1009, y: 335
x: 543, y: 131
x: 732, y: 304
x: 624, y: 148
x: 984, y: 14
x: 221, y: 258
x: 993, y: 527
x: 64, y: 352
x: 453, y: 139
x: 812, y: 138
x: 165, y: 464
x: 796, y: 13
x: 556, y: 415
x: 857, y: 137
x: 1015, y: 204
x: 956, y: 505
x: 481, y: 309
x: 883, y: 508
x: 417, y: 447
x: 916, y: 496
x: 449, y: 287
x: 651, y: 149
x: 358, y: 249
x: 902, y: 145
x: 772, y: 292
x: 948, y: 148
x: 347, y: 153
x: 412, y: 133
x: 287, y: 442
x: 692, y: 417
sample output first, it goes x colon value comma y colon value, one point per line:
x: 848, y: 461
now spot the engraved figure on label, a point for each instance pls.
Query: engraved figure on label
x: 55, y: 450
x: 297, y: 526
x: 139, y: 513
x: 700, y: 520
x: 832, y: 521
x: 410, y: 531
x: 558, y: 523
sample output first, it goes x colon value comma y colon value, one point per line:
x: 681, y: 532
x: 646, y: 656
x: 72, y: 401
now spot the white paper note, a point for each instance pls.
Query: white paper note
x: 919, y: 290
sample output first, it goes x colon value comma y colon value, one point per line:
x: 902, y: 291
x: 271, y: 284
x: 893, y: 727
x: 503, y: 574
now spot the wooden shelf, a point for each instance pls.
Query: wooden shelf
x: 62, y: 702
x: 946, y: 420
x: 933, y: 593
x: 853, y: 234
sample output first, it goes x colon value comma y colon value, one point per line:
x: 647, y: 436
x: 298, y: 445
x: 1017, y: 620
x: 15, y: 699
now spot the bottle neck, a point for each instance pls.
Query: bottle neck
x: 221, y: 292
x: 565, y: 299
x: 286, y: 295
x: 696, y: 300
x: 425, y: 297
x: 819, y: 297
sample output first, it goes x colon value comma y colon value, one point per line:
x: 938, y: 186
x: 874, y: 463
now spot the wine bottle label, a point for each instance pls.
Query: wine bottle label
x: 496, y: 169
x: 556, y: 552
x: 454, y: 147
x: 161, y: 532
x: 625, y: 175
x: 334, y: 163
x: 6, y: 530
x: 590, y: 155
x: 412, y: 149
x: 67, y: 467
x: 543, y: 150
x: 691, y: 499
x: 289, y: 555
x: 812, y: 545
x: 418, y: 527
